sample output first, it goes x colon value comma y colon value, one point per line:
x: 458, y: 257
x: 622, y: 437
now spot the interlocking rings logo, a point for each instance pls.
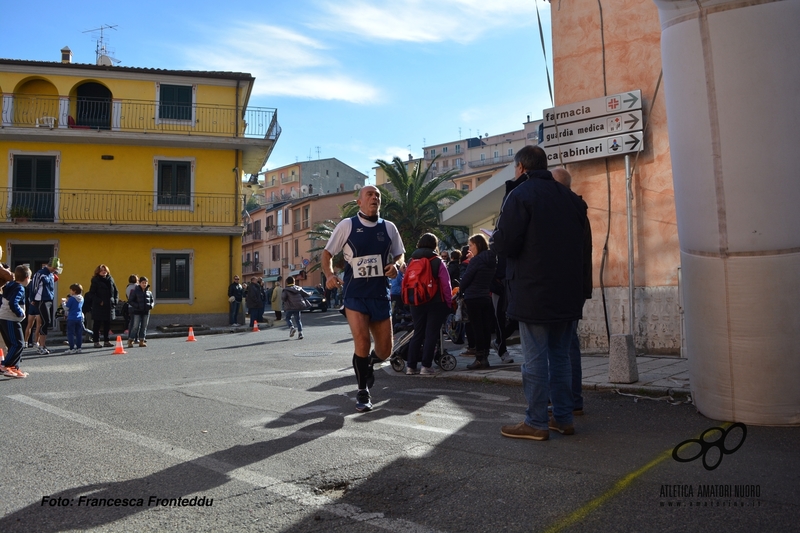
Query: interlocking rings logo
x: 707, y: 445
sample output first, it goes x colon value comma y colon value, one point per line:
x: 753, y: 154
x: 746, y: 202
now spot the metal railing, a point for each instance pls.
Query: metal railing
x: 256, y: 266
x: 54, y: 112
x: 66, y: 206
x: 491, y: 161
x: 252, y: 236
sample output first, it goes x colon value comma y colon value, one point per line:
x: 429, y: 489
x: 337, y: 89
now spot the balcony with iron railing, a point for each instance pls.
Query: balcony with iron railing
x: 138, y: 116
x: 252, y: 236
x: 252, y: 267
x: 90, y: 208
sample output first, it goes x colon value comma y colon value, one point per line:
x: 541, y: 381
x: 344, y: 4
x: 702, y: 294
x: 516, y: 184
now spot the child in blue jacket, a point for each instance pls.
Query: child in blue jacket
x: 12, y: 313
x: 74, y: 309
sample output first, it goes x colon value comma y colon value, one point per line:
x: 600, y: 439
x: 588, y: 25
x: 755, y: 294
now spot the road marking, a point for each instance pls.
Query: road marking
x: 296, y: 493
x: 618, y: 487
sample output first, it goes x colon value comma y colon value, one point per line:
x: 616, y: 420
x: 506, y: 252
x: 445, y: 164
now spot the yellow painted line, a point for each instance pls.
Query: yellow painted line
x: 618, y: 487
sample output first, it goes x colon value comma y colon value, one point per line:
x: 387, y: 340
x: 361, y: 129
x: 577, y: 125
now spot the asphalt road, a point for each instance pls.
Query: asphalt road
x: 262, y: 429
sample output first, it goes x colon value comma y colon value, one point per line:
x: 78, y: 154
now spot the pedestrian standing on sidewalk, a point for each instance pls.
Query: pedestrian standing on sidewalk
x: 475, y: 291
x: 373, y: 252
x: 253, y: 300
x: 142, y: 302
x: 43, y: 295
x: 104, y: 296
x: 541, y: 231
x: 428, y: 316
x: 562, y: 176
x: 74, y: 309
x: 12, y: 313
x: 276, y: 300
x: 235, y: 295
x: 295, y: 301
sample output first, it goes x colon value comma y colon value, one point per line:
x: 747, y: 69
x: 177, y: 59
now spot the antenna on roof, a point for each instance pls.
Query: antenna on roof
x: 101, y: 51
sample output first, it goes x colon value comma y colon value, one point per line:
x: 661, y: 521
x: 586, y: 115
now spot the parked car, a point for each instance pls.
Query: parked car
x: 317, y: 299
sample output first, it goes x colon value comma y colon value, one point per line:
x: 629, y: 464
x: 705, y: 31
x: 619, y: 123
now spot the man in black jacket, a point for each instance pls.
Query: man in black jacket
x: 235, y: 295
x: 541, y: 232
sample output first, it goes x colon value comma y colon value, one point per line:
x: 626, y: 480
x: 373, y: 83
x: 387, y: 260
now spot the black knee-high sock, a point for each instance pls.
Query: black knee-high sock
x: 361, y: 368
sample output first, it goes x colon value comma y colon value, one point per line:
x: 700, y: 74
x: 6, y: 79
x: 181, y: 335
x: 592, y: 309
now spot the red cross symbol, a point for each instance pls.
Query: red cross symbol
x: 612, y: 103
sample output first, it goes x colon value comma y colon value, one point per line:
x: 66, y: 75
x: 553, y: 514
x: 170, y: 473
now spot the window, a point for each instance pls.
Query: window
x: 458, y: 148
x: 433, y: 152
x: 510, y: 151
x: 272, y: 183
x: 286, y: 251
x: 483, y: 157
x: 33, y: 188
x: 445, y: 163
x: 247, y: 257
x: 174, y: 182
x: 296, y: 247
x: 172, y: 276
x: 465, y: 186
x: 296, y: 218
x: 444, y: 150
x: 175, y: 102
x: 496, y: 154
x: 306, y: 215
x: 256, y: 265
x: 276, y: 252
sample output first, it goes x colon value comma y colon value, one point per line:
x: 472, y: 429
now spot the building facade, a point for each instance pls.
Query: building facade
x: 136, y: 168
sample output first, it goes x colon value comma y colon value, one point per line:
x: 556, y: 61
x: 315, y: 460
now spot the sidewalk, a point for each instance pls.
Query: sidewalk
x: 658, y: 375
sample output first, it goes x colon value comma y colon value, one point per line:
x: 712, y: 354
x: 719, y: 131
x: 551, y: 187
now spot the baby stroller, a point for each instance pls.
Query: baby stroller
x: 403, y: 333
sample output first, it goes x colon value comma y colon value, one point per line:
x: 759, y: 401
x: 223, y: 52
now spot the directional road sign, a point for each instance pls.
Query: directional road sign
x: 597, y: 107
x: 593, y: 128
x: 594, y: 149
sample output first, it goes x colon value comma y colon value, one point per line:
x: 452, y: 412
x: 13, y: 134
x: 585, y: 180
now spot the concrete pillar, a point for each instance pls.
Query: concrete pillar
x: 731, y: 73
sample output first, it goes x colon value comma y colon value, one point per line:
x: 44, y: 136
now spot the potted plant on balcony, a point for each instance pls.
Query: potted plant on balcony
x: 246, y: 265
x: 20, y: 213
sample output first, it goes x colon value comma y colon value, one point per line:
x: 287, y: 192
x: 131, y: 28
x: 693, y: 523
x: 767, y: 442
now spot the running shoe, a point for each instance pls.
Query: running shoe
x: 299, y: 336
x: 10, y: 373
x: 292, y: 331
x: 411, y: 371
x: 41, y: 350
x: 363, y: 401
x: 427, y: 371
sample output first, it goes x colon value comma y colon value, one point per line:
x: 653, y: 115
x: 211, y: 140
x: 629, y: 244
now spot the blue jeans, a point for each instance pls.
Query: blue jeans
x: 294, y: 316
x: 546, y: 372
x: 138, y: 330
x: 75, y: 333
x: 577, y: 372
x: 234, y: 315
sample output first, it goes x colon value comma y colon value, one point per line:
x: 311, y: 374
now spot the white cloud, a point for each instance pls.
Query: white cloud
x: 422, y: 21
x: 390, y: 152
x: 284, y: 63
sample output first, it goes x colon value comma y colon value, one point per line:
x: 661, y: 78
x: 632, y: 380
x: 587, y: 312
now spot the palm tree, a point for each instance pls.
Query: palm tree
x: 322, y: 232
x: 413, y: 203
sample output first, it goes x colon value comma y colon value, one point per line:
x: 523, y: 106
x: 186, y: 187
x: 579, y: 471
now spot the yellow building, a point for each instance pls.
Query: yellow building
x: 137, y: 168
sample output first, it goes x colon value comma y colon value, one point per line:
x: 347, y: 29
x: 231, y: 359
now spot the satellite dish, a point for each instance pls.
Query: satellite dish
x: 304, y: 189
x: 293, y: 194
x: 356, y: 186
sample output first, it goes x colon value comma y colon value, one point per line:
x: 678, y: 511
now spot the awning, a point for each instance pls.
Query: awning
x: 480, y: 204
x: 271, y: 278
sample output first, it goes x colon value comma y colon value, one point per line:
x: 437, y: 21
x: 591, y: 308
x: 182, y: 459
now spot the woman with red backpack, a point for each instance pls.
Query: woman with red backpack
x: 426, y: 289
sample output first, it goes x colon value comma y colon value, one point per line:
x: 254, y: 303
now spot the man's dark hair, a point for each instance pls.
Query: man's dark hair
x: 531, y: 158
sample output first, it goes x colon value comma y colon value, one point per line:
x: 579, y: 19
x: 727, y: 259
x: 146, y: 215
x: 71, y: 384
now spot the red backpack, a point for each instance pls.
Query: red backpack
x: 420, y: 284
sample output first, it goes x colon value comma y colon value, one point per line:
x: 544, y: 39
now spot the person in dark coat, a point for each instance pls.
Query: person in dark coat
x: 541, y: 231
x: 141, y: 302
x: 104, y: 296
x: 253, y: 300
x: 475, y: 291
x: 454, y: 268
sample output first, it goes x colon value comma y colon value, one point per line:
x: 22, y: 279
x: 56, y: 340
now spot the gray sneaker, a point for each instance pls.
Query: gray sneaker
x: 412, y: 371
x: 506, y: 358
x: 428, y: 371
x: 292, y: 331
x: 299, y: 336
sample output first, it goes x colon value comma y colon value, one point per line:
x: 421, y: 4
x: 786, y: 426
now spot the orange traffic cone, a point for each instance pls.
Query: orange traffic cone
x: 191, y: 335
x: 2, y: 355
x: 119, y: 350
x: 255, y: 325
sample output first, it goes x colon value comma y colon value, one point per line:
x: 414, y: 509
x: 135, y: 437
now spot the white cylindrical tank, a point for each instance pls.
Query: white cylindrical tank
x: 732, y: 86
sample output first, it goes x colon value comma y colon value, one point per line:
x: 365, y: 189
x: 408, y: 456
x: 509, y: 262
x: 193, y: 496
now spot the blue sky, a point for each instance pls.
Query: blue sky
x: 358, y: 79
